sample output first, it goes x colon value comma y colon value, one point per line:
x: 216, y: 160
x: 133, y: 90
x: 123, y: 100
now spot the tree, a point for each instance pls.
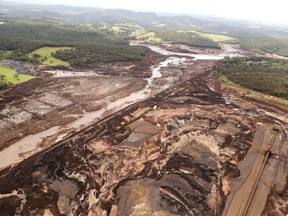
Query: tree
x: 2, y: 76
x: 35, y: 55
x: 16, y: 76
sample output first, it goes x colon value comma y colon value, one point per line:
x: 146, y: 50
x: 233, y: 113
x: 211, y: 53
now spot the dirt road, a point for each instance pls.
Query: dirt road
x: 242, y: 188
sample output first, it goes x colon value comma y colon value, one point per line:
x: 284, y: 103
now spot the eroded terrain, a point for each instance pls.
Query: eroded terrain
x: 164, y: 140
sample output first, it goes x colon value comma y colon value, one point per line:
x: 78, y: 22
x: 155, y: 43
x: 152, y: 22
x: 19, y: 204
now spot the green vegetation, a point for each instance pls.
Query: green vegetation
x: 29, y: 28
x: 189, y: 38
x: 9, y: 77
x: 218, y: 38
x: 89, y: 44
x: 57, y: 34
x: 117, y: 29
x: 269, y: 76
x: 88, y: 55
x: 266, y: 45
x: 151, y: 36
x: 4, y: 54
x: 44, y: 55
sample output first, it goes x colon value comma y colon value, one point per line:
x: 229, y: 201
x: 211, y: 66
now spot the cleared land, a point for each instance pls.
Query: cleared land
x: 215, y: 37
x: 117, y: 29
x: 44, y: 55
x: 151, y: 36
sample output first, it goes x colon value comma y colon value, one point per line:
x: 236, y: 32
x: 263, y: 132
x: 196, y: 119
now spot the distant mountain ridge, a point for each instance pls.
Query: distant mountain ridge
x: 145, y: 19
x: 78, y: 14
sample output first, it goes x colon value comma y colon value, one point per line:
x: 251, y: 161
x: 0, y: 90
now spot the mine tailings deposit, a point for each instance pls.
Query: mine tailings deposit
x: 157, y: 137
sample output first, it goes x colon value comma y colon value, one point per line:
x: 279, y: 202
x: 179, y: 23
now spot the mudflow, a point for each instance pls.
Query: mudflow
x: 157, y: 137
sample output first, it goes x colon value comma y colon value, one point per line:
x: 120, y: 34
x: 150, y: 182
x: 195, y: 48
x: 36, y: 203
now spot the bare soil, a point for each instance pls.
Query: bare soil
x: 173, y: 150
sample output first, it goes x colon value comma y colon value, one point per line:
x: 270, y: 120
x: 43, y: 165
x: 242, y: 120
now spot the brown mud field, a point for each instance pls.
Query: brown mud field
x: 171, y: 151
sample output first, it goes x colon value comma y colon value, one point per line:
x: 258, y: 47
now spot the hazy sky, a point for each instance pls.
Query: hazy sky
x: 272, y: 11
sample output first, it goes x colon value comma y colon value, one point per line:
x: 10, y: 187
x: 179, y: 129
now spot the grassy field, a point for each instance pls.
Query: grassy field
x: 151, y: 36
x: 44, y: 56
x: 8, y: 75
x: 215, y: 37
x: 184, y: 37
x: 118, y: 29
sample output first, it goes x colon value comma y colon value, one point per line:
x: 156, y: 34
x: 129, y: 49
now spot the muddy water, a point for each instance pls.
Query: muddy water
x: 25, y: 147
x: 31, y: 144
x: 227, y: 50
x: 156, y: 71
x: 195, y: 56
x: 130, y: 99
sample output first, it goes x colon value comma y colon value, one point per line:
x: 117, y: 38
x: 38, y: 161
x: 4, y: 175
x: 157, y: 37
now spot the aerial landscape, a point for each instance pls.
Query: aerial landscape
x: 117, y: 111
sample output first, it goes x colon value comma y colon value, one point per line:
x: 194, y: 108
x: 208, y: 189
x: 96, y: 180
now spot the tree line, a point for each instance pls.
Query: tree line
x: 265, y: 45
x: 90, y: 46
x: 266, y: 75
x: 88, y: 55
